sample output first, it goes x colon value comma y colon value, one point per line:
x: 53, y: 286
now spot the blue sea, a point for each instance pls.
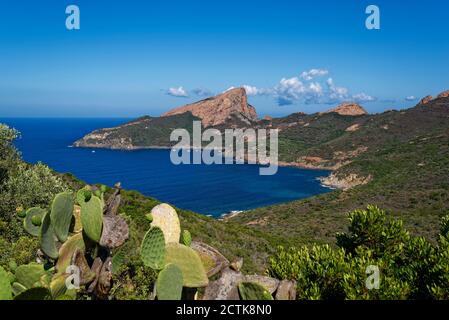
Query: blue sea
x: 207, y: 189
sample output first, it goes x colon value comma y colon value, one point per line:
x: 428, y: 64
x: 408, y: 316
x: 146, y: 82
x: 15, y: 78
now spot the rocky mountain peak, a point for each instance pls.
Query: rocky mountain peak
x: 444, y: 94
x: 349, y: 109
x: 216, y: 110
x: 426, y: 100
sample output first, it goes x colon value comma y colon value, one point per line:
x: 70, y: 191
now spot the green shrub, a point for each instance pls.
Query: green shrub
x: 409, y: 267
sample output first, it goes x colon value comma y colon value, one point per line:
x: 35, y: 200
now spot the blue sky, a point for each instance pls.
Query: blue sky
x: 128, y: 54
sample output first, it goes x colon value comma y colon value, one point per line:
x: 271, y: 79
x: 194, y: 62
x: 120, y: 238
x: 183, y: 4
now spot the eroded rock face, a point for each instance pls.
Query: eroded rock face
x: 216, y: 110
x: 346, y: 182
x: 444, y: 94
x: 115, y: 232
x: 349, y: 109
x: 426, y: 100
x: 286, y: 290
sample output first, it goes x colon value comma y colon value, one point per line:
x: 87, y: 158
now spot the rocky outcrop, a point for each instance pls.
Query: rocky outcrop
x: 426, y: 100
x: 216, y: 110
x: 444, y: 94
x: 349, y: 181
x: 349, y: 109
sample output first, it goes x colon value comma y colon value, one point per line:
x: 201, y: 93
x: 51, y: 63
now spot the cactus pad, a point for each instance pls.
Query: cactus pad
x: 152, y: 251
x: 67, y: 250
x: 193, y: 272
x: 166, y: 218
x: 61, y: 214
x: 186, y: 238
x: 92, y: 218
x: 47, y: 238
x: 253, y: 291
x: 30, y: 274
x: 17, y: 288
x: 34, y: 294
x: 83, y: 195
x: 28, y: 223
x: 76, y: 225
x: 169, y: 283
x: 5, y: 285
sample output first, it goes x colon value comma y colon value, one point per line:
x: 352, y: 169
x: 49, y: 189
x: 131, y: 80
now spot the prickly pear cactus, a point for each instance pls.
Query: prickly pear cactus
x: 83, y: 195
x: 253, y: 291
x: 92, y: 218
x: 47, y: 238
x: 17, y: 288
x: 193, y: 272
x: 169, y: 283
x: 166, y: 218
x: 5, y: 285
x: 152, y: 251
x: 30, y: 274
x: 67, y: 250
x: 39, y: 293
x: 36, y: 220
x: 117, y: 261
x: 61, y: 214
x: 76, y: 225
x: 28, y: 221
x: 186, y: 238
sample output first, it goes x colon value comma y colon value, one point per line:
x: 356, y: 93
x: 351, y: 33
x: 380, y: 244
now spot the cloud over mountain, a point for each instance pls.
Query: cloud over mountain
x: 314, y: 86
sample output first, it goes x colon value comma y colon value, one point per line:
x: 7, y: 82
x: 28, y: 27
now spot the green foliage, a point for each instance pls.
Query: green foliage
x: 152, y: 251
x: 409, y: 267
x: 169, y: 283
x: 61, y: 214
x: 253, y: 291
x: 193, y: 272
x: 372, y: 230
x: 92, y: 218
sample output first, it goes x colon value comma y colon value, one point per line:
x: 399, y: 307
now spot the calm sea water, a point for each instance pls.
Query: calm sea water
x: 207, y: 189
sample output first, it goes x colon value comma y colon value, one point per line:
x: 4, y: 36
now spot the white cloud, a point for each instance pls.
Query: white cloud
x: 306, y: 88
x: 363, y: 97
x: 202, y: 92
x: 313, y: 73
x: 410, y: 98
x: 177, y: 92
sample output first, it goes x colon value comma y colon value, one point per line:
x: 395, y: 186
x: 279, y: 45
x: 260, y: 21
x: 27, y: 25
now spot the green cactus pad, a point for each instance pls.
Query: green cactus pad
x: 152, y: 251
x: 186, y: 238
x: 92, y: 218
x: 5, y: 285
x: 67, y: 250
x: 117, y: 261
x: 47, y: 238
x: 28, y: 223
x: 253, y: 291
x: 34, y: 294
x: 18, y: 288
x: 83, y: 195
x: 166, y: 218
x: 187, y: 259
x: 58, y: 286
x: 169, y: 283
x: 30, y: 274
x: 61, y: 214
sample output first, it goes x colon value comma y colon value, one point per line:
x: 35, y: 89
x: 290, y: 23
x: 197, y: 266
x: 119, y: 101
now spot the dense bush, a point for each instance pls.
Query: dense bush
x: 409, y: 267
